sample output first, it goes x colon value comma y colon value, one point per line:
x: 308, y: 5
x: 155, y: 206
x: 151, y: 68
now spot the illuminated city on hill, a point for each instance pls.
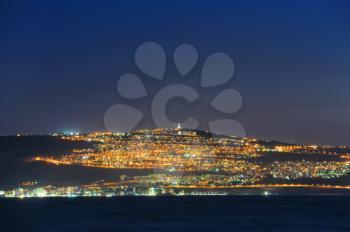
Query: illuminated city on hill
x: 134, y: 115
x: 192, y: 162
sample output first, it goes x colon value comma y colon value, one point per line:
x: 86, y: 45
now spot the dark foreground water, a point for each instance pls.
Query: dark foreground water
x: 234, y: 213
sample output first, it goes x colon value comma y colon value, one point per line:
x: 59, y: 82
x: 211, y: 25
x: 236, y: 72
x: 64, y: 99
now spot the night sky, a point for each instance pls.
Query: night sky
x: 59, y: 62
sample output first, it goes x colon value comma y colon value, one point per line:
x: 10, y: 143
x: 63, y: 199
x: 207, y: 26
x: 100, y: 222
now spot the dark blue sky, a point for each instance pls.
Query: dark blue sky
x: 59, y: 61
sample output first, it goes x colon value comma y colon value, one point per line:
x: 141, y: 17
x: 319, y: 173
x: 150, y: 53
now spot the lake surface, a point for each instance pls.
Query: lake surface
x: 219, y: 213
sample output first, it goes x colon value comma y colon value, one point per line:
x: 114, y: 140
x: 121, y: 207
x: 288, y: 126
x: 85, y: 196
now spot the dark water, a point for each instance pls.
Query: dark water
x: 234, y: 213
